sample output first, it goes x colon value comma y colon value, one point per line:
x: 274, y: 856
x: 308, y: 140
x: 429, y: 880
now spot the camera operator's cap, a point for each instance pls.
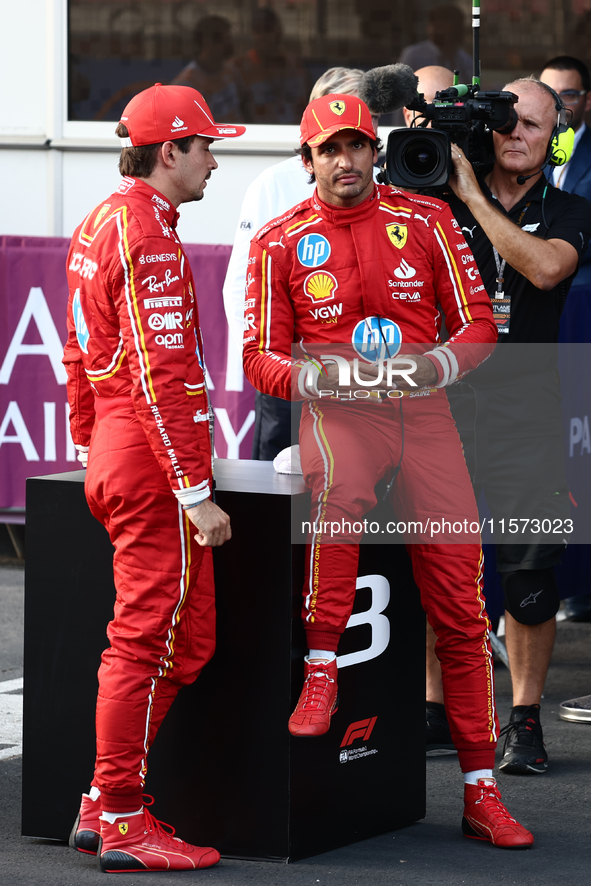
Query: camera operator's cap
x: 161, y: 113
x: 331, y: 113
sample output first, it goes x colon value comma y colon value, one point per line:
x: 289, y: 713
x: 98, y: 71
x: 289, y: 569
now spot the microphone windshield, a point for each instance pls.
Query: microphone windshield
x: 388, y: 88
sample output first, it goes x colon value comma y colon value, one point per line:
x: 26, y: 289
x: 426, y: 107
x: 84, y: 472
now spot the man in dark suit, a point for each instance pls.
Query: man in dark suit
x: 570, y: 78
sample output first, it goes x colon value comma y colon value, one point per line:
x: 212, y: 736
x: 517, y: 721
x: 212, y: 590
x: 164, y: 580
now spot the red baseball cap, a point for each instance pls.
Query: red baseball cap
x: 161, y: 113
x: 331, y: 113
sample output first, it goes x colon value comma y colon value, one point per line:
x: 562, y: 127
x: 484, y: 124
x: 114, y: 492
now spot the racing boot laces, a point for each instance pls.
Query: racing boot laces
x: 318, y: 700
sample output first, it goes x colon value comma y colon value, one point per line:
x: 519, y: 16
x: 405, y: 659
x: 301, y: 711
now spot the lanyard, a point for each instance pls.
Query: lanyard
x: 501, y: 264
x: 501, y: 301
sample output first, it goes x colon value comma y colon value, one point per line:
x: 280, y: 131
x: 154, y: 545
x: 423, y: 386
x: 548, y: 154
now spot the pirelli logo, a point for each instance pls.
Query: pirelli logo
x: 163, y: 302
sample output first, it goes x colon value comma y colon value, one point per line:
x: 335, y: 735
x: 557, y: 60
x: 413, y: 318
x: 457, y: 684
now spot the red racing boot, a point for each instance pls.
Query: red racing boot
x: 141, y: 843
x: 485, y: 817
x: 318, y: 701
x: 87, y: 827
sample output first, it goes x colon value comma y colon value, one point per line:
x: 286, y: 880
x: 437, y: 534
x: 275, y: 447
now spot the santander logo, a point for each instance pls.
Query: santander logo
x: 404, y: 271
x: 177, y: 122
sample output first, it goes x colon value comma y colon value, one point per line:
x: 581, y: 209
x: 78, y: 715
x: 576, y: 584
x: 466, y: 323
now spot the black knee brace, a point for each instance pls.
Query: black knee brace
x: 531, y: 595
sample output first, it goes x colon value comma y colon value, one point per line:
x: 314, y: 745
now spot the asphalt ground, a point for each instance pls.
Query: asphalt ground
x: 555, y: 807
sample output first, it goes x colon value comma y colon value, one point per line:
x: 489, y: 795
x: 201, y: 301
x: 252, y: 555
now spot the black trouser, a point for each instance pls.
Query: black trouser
x: 276, y: 426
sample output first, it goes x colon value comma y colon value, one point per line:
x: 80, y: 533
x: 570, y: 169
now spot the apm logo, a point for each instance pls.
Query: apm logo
x: 359, y: 729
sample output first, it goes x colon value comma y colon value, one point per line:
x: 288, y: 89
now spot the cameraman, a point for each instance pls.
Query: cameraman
x: 527, y: 238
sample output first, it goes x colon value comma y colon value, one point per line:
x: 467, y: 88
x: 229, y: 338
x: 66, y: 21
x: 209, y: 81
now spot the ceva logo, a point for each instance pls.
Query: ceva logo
x: 359, y: 729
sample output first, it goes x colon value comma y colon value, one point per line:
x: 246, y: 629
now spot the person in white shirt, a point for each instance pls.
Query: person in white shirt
x: 273, y: 192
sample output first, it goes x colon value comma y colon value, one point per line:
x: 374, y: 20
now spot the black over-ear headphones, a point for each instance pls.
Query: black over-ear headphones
x: 562, y: 140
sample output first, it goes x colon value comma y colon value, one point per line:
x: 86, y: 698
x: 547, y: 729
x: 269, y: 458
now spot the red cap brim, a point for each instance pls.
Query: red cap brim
x: 326, y: 133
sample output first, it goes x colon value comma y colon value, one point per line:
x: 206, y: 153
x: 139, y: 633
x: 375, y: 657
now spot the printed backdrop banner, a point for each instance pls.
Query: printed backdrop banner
x: 34, y: 433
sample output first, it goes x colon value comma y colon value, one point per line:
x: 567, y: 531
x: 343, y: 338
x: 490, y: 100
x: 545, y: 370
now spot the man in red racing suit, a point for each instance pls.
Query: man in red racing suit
x: 375, y: 267
x: 138, y: 399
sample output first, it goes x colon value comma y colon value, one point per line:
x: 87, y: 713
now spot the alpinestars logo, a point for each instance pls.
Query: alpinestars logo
x: 531, y: 599
x: 177, y: 122
x: 404, y: 271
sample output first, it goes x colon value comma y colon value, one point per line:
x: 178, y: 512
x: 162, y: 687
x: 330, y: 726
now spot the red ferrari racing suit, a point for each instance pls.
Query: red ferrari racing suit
x: 395, y: 264
x: 137, y: 396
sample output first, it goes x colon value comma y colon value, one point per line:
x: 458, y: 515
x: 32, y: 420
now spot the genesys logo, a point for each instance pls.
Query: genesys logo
x: 360, y: 729
x: 163, y: 256
x: 404, y: 271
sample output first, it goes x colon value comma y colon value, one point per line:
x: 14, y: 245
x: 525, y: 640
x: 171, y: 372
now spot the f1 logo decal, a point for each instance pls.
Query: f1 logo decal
x: 359, y: 729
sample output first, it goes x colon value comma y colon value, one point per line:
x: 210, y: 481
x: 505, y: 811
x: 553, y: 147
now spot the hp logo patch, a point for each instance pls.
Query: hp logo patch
x: 313, y: 250
x: 82, y: 333
x: 375, y: 339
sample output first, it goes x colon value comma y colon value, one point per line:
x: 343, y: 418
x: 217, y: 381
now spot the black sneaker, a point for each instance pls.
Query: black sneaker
x: 524, y: 752
x: 439, y: 742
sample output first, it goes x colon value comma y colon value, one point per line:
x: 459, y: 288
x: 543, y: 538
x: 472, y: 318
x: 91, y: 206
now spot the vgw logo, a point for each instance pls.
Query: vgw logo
x: 313, y: 250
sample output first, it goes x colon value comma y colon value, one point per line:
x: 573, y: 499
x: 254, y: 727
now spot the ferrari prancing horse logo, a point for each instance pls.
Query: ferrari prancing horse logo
x: 398, y: 234
x: 337, y: 107
x: 123, y: 828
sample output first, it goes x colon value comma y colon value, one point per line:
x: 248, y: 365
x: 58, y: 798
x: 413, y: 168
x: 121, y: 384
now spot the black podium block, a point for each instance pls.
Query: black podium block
x: 224, y: 769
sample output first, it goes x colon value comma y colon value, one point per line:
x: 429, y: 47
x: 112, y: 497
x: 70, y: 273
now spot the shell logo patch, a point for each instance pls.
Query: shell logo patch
x: 123, y: 828
x: 320, y: 286
x: 398, y: 234
x: 338, y: 107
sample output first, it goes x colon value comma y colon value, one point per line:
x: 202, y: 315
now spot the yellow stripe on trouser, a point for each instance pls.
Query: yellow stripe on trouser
x: 486, y: 651
x: 186, y: 541
x: 310, y: 600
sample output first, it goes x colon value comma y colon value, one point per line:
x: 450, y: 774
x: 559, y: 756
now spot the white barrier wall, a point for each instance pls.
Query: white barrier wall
x: 53, y: 171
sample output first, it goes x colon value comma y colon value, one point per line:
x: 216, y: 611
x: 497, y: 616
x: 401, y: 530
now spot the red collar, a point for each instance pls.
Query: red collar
x: 339, y: 216
x: 137, y: 187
